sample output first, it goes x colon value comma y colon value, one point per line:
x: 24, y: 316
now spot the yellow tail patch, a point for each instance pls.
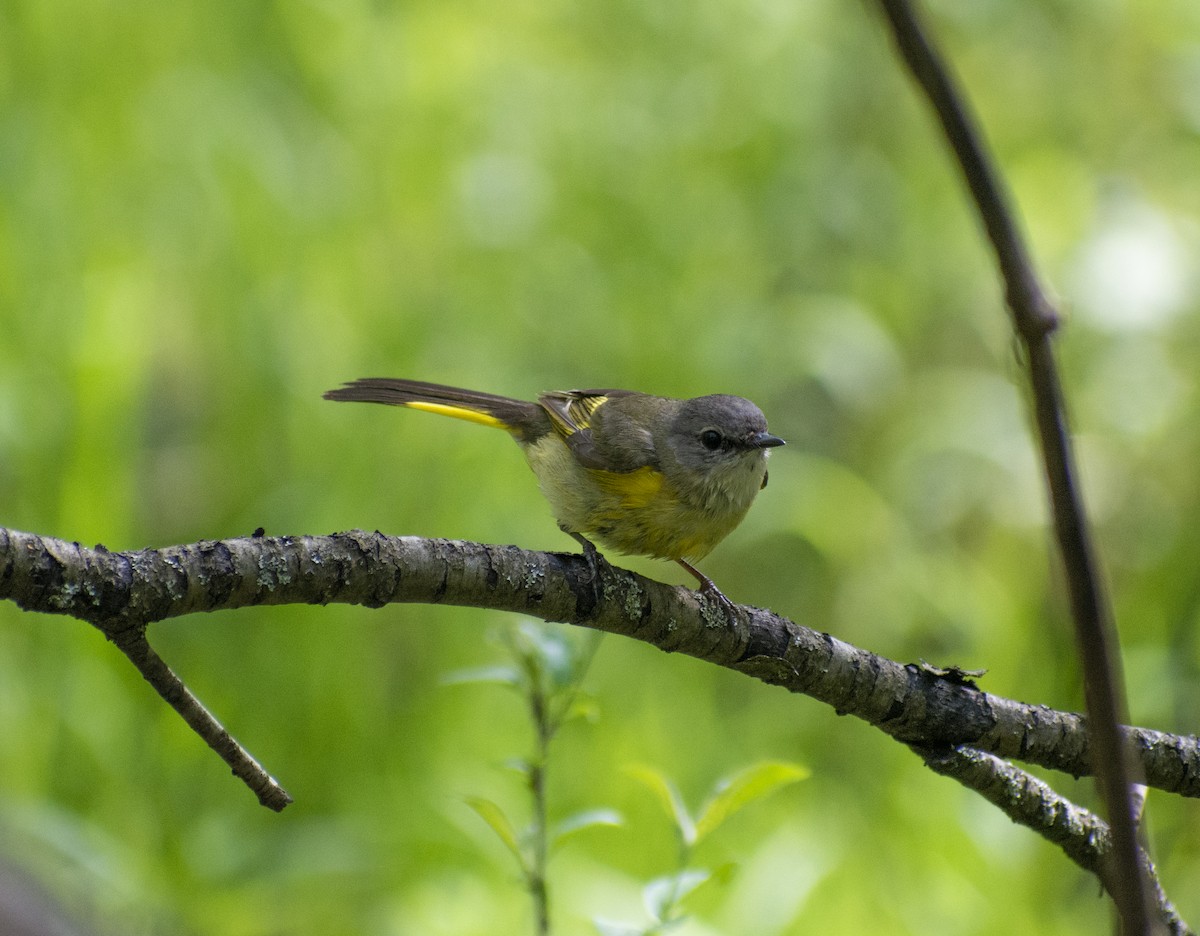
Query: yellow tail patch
x: 459, y: 412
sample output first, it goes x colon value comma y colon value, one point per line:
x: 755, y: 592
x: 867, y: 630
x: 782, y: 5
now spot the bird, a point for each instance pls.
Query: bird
x: 644, y: 475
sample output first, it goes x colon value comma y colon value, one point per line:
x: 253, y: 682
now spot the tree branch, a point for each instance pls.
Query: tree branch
x: 132, y: 642
x: 1084, y: 837
x: 942, y: 715
x: 1034, y: 320
x: 122, y: 593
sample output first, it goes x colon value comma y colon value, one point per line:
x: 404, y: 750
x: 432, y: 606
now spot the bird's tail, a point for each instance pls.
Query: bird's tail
x: 526, y: 421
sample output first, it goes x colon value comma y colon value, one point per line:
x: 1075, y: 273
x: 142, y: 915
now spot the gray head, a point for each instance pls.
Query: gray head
x: 714, y: 435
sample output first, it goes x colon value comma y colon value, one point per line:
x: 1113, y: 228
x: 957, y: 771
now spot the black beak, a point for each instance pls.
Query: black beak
x: 764, y: 440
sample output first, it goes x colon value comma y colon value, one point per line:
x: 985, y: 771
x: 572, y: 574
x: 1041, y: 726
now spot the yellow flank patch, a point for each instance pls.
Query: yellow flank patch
x: 640, y: 488
x: 459, y: 412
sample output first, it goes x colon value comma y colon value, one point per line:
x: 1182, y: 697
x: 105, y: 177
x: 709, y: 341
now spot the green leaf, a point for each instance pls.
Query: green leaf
x: 612, y: 928
x: 668, y: 797
x: 549, y: 648
x: 583, y: 708
x: 518, y: 765
x: 588, y: 819
x: 494, y: 816
x: 663, y: 894
x: 753, y: 783
x: 501, y: 674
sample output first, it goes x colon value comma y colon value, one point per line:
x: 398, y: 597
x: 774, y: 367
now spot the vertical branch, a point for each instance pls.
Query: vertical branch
x: 1035, y: 320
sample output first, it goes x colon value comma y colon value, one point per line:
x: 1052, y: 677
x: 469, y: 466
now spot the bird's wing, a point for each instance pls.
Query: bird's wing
x: 599, y: 428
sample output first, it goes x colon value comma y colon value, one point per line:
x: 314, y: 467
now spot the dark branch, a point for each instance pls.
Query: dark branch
x: 122, y: 593
x: 132, y: 642
x: 1084, y: 837
x: 1033, y: 315
x: 1034, y: 320
x: 931, y: 710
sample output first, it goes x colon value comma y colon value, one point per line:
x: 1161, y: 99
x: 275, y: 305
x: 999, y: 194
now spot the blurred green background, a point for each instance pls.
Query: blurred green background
x: 212, y: 212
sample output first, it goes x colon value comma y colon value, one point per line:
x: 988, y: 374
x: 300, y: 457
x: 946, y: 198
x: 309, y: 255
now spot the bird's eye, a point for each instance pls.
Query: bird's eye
x: 710, y: 439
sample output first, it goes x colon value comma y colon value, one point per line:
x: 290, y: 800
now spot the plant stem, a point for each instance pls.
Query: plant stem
x: 537, y: 788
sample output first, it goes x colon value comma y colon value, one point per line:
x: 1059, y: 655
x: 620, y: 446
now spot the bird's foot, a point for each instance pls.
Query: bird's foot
x: 709, y: 589
x: 594, y: 558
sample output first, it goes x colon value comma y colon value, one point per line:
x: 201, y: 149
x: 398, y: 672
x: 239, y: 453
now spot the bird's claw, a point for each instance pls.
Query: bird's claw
x: 709, y: 589
x: 594, y: 558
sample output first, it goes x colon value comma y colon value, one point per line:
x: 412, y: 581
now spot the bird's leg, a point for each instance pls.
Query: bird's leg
x: 595, y: 559
x: 709, y: 587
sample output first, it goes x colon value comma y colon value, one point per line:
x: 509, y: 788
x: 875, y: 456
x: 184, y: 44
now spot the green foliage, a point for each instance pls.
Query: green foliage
x: 494, y: 816
x: 752, y: 784
x: 212, y: 212
x: 663, y: 895
x: 581, y: 822
x: 550, y: 664
x: 667, y: 796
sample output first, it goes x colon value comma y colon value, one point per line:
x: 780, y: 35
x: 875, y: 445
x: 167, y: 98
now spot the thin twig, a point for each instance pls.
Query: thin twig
x: 1035, y: 320
x: 132, y: 642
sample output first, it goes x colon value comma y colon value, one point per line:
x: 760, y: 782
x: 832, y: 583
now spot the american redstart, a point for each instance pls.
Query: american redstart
x: 646, y: 475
